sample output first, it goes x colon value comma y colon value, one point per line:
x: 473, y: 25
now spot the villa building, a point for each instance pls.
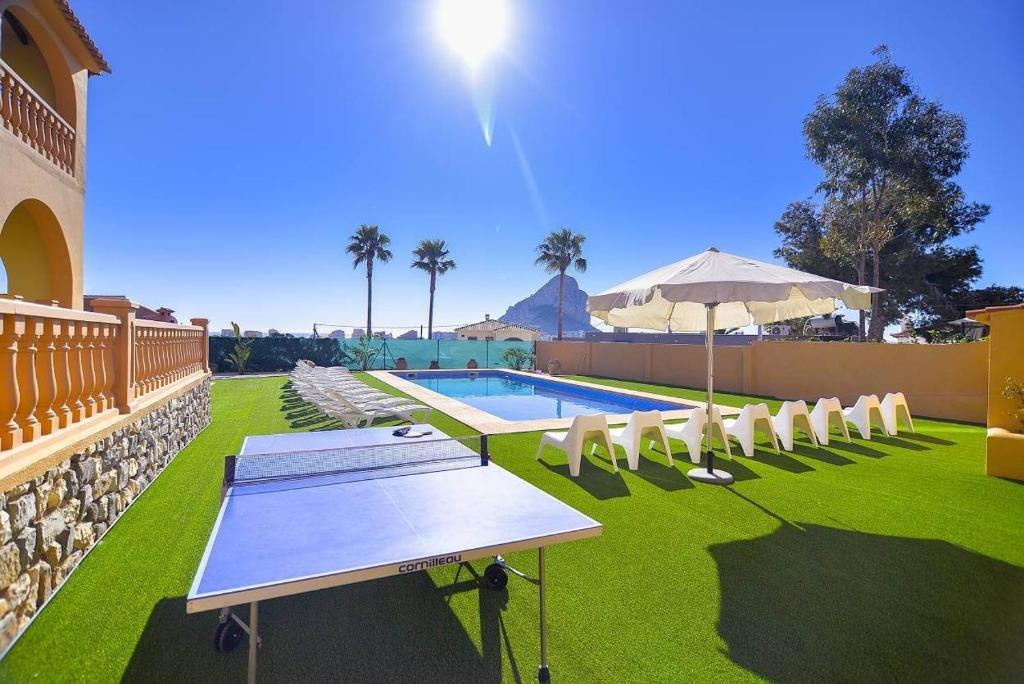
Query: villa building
x: 97, y: 393
x: 495, y: 329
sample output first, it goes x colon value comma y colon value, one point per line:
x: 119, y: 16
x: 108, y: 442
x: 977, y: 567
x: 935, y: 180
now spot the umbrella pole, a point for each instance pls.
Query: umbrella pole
x: 711, y: 386
x: 711, y: 475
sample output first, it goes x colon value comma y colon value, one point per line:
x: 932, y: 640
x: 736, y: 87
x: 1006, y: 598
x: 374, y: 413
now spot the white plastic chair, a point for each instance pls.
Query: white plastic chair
x: 583, y: 429
x: 793, y: 416
x: 753, y: 418
x: 865, y: 414
x: 691, y: 433
x: 631, y: 437
x: 895, y: 411
x: 828, y: 413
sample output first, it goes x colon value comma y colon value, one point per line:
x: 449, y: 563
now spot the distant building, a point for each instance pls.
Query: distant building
x: 337, y: 335
x: 358, y: 332
x: 907, y: 334
x: 252, y: 333
x: 227, y: 332
x: 273, y: 333
x: 445, y: 335
x: 144, y: 313
x: 498, y: 330
x: 409, y: 335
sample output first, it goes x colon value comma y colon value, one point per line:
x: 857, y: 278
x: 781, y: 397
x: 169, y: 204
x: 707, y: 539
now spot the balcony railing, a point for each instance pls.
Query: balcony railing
x: 166, y: 353
x: 63, y: 367
x: 29, y: 117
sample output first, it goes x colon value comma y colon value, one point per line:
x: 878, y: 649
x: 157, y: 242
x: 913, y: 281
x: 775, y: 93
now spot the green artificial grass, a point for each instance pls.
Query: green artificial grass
x: 884, y: 560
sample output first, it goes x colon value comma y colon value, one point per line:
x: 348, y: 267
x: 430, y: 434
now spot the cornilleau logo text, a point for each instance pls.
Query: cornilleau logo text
x: 429, y: 563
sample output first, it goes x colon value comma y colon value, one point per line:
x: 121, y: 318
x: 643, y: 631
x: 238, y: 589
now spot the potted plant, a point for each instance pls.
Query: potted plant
x: 472, y: 364
x: 434, y: 365
x: 401, y: 363
x: 554, y: 367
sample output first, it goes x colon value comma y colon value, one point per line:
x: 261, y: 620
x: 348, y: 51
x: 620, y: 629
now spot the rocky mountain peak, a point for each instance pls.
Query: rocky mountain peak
x: 541, y: 308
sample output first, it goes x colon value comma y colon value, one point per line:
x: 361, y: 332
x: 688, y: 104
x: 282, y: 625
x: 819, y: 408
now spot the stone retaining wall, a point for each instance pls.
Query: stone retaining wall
x: 50, y: 522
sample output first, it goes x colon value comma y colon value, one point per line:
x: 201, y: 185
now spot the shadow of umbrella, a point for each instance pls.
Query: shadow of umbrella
x: 814, y: 603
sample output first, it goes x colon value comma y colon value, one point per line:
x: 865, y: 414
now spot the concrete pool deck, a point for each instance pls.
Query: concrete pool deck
x: 490, y: 424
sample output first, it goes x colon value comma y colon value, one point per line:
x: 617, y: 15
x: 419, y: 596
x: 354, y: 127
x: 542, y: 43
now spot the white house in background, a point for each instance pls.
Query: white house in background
x: 409, y: 335
x: 227, y: 332
x: 357, y: 333
x: 444, y: 335
x: 252, y: 333
x: 337, y: 335
x: 498, y: 330
x: 907, y: 334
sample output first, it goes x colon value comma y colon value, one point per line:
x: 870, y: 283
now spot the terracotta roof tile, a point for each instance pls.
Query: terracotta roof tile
x: 65, y: 7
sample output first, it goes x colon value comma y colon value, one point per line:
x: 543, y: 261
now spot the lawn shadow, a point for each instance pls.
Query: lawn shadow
x: 820, y: 453
x: 598, y: 482
x: 815, y: 603
x: 901, y: 443
x: 921, y: 437
x: 654, y: 468
x: 385, y: 630
x: 855, y: 447
x: 780, y: 460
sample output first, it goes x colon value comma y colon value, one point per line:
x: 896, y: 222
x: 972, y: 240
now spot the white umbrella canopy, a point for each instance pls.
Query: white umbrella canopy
x: 745, y: 291
x: 715, y: 289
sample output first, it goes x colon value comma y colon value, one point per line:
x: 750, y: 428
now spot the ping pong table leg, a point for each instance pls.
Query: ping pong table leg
x: 253, y: 639
x: 543, y: 674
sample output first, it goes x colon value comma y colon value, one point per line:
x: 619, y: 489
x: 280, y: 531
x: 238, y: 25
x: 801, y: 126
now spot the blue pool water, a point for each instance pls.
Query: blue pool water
x: 515, y: 397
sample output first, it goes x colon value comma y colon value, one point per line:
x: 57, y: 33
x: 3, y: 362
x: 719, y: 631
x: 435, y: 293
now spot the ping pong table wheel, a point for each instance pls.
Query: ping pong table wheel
x: 227, y: 636
x: 495, y: 577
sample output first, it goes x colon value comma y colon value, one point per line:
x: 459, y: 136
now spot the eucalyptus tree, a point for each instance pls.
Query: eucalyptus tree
x: 889, y: 157
x: 561, y: 250
x: 367, y: 245
x: 431, y: 257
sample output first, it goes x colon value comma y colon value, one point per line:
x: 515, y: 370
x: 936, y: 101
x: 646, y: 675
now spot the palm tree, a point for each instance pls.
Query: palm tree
x: 366, y: 245
x: 432, y: 258
x: 561, y: 249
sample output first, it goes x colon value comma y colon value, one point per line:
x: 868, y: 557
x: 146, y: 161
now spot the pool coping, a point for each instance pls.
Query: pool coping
x: 490, y: 424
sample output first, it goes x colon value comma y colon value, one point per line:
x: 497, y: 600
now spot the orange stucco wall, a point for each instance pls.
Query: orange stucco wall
x: 941, y: 381
x: 54, y: 198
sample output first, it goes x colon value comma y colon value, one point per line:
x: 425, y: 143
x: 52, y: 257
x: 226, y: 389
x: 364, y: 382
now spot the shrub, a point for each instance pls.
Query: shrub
x: 240, y: 351
x: 517, y: 358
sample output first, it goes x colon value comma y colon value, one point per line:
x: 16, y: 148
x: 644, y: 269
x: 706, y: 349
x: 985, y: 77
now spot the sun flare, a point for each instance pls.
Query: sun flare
x: 473, y: 29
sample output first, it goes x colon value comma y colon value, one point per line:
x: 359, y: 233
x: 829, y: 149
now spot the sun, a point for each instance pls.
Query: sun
x: 473, y: 29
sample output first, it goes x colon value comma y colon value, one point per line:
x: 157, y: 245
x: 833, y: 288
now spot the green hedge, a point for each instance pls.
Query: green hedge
x: 271, y: 354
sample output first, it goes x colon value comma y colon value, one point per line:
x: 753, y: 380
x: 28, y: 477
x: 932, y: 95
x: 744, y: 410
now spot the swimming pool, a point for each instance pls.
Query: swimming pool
x: 521, y: 396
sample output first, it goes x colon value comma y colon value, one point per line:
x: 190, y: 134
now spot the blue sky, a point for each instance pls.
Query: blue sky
x: 237, y: 145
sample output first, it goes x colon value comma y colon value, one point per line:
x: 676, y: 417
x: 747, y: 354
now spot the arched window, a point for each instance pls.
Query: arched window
x: 3, y: 278
x: 28, y: 49
x: 21, y: 52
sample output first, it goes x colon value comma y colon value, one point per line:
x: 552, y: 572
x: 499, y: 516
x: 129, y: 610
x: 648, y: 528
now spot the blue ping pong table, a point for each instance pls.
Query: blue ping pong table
x: 308, y: 511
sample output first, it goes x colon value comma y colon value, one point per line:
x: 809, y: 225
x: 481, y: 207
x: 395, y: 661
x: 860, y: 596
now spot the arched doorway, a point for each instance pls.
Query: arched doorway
x: 35, y: 255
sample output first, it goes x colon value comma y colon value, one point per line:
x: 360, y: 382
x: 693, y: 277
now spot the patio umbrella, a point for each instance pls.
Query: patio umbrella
x: 714, y: 289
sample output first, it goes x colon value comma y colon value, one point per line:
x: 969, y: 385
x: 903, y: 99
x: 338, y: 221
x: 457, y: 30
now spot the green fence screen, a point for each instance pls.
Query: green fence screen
x: 419, y: 354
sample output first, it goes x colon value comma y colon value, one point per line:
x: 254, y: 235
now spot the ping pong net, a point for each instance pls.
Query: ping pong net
x: 358, y: 462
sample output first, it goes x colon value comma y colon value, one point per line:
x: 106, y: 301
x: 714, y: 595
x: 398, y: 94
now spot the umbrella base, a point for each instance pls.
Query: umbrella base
x: 716, y: 476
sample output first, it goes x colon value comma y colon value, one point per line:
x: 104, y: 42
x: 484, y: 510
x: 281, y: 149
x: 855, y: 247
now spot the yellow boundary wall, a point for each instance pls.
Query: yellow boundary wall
x: 947, y: 381
x: 1005, y: 443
